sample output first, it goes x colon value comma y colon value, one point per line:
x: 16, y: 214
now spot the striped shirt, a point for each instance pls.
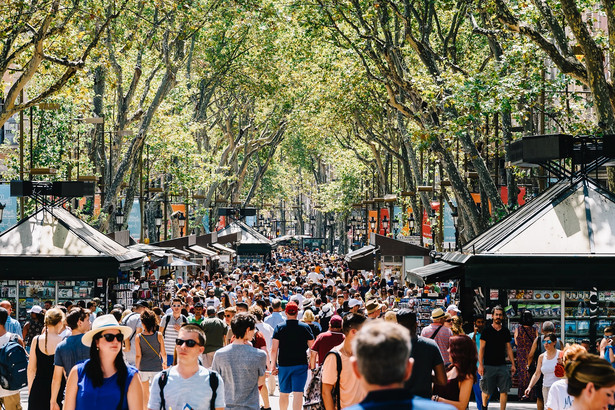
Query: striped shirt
x: 442, y: 339
x: 170, y: 334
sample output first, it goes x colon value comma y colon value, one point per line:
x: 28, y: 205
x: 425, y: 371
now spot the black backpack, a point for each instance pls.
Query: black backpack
x: 165, y: 320
x: 213, y: 383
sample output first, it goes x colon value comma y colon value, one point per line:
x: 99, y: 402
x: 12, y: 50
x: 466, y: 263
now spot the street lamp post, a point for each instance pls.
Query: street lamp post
x: 119, y: 218
x: 411, y: 224
x: 181, y: 221
x: 385, y: 224
x: 395, y: 227
x: 433, y: 220
x: 2, y: 206
x: 372, y: 223
x: 158, y: 223
x: 455, y: 216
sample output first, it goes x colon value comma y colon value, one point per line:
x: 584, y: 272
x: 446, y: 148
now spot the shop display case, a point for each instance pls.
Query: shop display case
x: 570, y: 309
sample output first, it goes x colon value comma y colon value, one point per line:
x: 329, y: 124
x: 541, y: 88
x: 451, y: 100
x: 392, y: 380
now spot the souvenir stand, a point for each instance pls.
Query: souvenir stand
x: 554, y: 257
x: 53, y: 255
x: 251, y: 246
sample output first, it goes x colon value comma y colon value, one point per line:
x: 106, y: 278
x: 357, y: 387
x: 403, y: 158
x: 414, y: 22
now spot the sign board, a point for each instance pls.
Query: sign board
x: 134, y: 220
x: 9, y: 217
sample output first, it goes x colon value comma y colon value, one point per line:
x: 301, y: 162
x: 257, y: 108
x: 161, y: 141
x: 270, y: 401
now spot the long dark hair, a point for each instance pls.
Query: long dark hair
x: 93, y: 369
x: 464, y: 356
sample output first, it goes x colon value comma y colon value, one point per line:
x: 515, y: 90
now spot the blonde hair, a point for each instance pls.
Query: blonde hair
x: 53, y: 317
x: 390, y: 316
x: 572, y: 351
x: 308, y: 316
x: 588, y: 368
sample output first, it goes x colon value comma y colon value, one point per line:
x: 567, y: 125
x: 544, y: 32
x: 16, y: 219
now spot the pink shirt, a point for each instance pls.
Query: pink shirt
x: 442, y: 339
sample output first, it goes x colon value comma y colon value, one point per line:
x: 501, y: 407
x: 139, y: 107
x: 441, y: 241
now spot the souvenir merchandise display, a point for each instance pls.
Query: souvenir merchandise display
x: 424, y: 300
x: 548, y: 304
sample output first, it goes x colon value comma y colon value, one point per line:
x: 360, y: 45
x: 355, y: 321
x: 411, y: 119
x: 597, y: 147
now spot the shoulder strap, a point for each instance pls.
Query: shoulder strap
x: 162, y: 381
x: 184, y: 319
x: 213, y: 383
x: 433, y: 335
x: 165, y: 320
x: 336, y: 387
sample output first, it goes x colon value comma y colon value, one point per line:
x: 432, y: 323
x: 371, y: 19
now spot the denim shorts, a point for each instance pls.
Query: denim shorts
x: 292, y: 378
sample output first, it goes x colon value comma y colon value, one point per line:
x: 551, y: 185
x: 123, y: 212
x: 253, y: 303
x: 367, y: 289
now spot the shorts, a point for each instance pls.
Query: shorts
x: 148, y: 376
x: 496, y: 378
x: 292, y: 378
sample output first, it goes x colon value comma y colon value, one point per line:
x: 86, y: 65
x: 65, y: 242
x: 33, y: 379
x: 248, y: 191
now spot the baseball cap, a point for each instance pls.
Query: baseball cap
x: 354, y: 302
x: 336, y: 321
x: 35, y: 309
x: 292, y: 308
x: 454, y: 308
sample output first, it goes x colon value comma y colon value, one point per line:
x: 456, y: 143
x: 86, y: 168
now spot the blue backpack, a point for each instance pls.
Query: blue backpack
x: 13, y: 365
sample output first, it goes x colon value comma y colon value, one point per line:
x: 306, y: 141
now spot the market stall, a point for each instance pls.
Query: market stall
x: 251, y: 245
x: 554, y: 257
x: 53, y: 255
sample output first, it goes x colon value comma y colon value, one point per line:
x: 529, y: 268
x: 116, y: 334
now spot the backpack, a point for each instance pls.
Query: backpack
x: 213, y: 383
x: 165, y: 320
x: 313, y: 391
x: 125, y: 323
x: 13, y: 365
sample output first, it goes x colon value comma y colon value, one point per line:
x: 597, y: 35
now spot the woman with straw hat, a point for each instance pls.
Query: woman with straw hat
x: 104, y: 381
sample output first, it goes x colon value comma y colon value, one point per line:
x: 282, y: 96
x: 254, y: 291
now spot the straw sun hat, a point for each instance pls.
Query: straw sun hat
x: 102, y: 323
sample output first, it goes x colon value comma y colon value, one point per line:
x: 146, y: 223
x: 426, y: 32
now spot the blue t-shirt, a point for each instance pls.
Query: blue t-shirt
x: 104, y: 397
x: 70, y: 352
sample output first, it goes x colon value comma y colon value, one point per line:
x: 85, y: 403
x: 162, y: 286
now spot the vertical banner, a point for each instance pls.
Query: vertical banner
x: 205, y: 221
x: 9, y: 217
x: 134, y: 220
x: 397, y: 215
x: 250, y: 220
x: 449, y: 227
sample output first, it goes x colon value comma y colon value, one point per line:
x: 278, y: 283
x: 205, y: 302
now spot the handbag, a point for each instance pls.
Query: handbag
x: 559, y: 367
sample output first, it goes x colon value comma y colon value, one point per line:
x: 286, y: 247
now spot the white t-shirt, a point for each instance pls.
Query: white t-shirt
x: 267, y: 332
x: 4, y: 339
x: 558, y: 398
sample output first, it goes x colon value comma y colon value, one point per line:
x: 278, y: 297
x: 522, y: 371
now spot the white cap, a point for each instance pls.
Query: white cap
x: 35, y: 309
x: 453, y: 308
x: 354, y: 302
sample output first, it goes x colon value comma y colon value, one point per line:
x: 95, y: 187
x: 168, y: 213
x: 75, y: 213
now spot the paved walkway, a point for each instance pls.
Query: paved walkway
x: 275, y: 406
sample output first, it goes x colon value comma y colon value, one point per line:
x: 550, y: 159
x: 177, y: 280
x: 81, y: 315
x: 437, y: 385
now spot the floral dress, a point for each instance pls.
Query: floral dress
x: 524, y: 339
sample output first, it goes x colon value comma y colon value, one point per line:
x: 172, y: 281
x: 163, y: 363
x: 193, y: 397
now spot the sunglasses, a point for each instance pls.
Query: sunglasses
x: 109, y: 337
x: 177, y: 305
x: 448, y: 320
x: 548, y: 342
x: 228, y: 315
x: 189, y: 342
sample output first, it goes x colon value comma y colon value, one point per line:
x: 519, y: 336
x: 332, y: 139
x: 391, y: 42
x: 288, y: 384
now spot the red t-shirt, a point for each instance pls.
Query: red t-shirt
x: 325, y: 342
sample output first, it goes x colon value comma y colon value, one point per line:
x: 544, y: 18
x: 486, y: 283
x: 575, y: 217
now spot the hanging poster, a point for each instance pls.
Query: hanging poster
x: 9, y: 216
x: 134, y: 220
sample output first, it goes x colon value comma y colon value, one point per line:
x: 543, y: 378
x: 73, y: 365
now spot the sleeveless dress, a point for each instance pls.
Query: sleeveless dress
x: 449, y: 391
x: 525, y: 339
x: 105, y: 397
x: 40, y: 393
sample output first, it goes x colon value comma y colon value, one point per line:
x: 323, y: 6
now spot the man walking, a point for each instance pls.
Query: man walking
x: 479, y: 326
x: 69, y: 351
x: 9, y: 399
x: 12, y: 325
x: 198, y: 317
x: 215, y: 331
x: 326, y: 341
x: 170, y: 325
x: 133, y: 320
x: 494, y: 347
x: 241, y: 366
x: 188, y: 376
x: 382, y: 363
x: 289, y: 344
x: 350, y: 389
x: 427, y: 359
x: 276, y: 317
x: 439, y: 333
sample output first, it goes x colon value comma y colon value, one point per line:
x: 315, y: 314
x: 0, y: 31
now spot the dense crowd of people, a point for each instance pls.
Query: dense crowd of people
x: 303, y: 324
